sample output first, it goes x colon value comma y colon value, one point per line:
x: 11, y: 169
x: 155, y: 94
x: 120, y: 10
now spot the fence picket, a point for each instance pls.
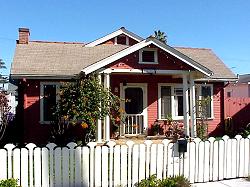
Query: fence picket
x: 9, y: 148
x: 206, y: 161
x: 105, y: 165
x: 135, y: 164
x: 51, y: 147
x: 215, y: 161
x: 221, y: 157
x: 86, y: 168
x: 153, y: 159
x: 159, y: 161
x: 124, y: 152
x: 3, y: 164
x: 117, y: 165
x: 78, y: 165
x: 58, y: 167
x: 201, y: 160
x: 234, y: 159
x: 37, y: 167
x: 17, y: 164
x: 65, y: 167
x: 31, y: 147
x: 246, y: 157
x: 192, y: 163
x: 142, y: 161
x: 45, y: 167
x: 98, y: 164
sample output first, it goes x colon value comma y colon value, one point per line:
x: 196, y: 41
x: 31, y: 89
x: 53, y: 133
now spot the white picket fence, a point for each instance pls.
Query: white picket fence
x: 124, y: 165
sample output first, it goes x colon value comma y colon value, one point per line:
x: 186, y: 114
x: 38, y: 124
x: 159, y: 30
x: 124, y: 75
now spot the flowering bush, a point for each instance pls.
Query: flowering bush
x: 82, y: 103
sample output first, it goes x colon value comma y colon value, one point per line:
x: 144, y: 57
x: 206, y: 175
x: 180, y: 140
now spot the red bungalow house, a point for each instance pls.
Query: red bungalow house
x: 159, y: 80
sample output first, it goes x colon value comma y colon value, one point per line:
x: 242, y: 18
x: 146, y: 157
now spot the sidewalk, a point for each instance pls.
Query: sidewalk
x: 225, y: 183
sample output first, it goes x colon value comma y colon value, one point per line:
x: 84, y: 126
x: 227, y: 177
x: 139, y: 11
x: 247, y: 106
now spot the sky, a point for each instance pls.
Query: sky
x: 222, y: 25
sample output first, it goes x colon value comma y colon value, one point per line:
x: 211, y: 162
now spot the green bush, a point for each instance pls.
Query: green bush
x: 8, y: 183
x: 152, y: 181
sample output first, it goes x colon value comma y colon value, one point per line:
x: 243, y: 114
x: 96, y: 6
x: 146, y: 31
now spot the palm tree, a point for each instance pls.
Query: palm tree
x: 161, y: 36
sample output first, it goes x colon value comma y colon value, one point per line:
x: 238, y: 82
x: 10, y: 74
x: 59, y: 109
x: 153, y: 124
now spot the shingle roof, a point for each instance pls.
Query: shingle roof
x: 57, y: 59
x: 208, y: 58
x: 67, y: 59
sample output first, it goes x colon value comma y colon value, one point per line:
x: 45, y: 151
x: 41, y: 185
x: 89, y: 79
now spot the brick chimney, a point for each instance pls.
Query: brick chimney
x: 24, y: 34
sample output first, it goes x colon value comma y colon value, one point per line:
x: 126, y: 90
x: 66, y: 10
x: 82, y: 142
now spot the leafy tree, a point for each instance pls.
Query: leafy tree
x: 160, y: 36
x: 82, y: 102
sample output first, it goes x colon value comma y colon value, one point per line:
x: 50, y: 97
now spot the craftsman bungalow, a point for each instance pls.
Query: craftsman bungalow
x: 159, y: 80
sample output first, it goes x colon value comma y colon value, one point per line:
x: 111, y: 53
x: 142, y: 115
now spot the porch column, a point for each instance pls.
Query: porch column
x: 107, y: 119
x: 185, y: 105
x: 99, y: 122
x: 192, y: 107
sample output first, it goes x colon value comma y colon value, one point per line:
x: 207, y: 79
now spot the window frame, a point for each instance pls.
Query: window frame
x: 148, y: 49
x: 173, y: 86
x: 42, y: 84
x: 199, y: 90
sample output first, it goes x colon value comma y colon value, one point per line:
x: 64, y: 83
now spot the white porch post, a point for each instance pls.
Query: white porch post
x: 192, y: 106
x: 107, y: 119
x: 99, y: 122
x: 185, y: 105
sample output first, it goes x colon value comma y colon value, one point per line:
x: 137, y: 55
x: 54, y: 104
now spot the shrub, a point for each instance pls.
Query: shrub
x: 152, y: 181
x: 8, y: 183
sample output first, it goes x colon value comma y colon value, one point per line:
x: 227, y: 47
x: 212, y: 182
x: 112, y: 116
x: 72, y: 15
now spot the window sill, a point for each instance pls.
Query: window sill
x: 148, y: 62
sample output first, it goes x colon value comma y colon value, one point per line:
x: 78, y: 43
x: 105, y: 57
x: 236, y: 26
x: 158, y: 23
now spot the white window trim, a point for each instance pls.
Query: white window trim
x: 212, y: 99
x: 174, y: 117
x: 148, y: 49
x: 42, y: 96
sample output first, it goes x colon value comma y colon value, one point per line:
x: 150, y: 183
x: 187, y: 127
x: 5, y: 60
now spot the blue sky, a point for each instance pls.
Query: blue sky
x: 223, y: 25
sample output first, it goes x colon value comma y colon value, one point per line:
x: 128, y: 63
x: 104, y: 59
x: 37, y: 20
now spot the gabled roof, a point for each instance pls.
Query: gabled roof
x: 142, y: 44
x: 57, y: 59
x: 118, y: 32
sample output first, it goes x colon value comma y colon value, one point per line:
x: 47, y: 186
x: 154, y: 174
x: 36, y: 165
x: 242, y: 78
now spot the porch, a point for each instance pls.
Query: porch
x: 141, y: 91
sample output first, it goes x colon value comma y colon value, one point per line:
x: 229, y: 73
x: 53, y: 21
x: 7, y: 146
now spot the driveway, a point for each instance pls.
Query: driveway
x: 225, y: 183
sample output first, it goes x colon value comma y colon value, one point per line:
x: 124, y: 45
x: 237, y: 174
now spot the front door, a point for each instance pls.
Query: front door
x: 135, y: 106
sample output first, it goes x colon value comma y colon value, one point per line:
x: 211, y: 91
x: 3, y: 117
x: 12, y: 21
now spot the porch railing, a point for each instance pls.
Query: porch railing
x: 133, y: 124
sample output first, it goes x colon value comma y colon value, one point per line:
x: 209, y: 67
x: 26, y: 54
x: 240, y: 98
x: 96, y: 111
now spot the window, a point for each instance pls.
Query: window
x: 148, y: 56
x: 205, y: 93
x: 122, y: 39
x: 170, y: 100
x: 48, y: 99
x: 165, y: 102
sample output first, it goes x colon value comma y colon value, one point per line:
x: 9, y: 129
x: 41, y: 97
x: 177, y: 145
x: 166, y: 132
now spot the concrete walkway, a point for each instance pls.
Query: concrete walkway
x: 225, y: 183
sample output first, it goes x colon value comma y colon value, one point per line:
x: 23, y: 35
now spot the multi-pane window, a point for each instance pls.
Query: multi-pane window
x: 48, y: 99
x: 170, y: 100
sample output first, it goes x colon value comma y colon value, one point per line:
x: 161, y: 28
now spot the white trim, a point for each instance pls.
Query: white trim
x: 144, y: 87
x: 173, y: 86
x: 57, y: 84
x: 146, y: 71
x: 148, y: 49
x: 113, y: 35
x: 107, y: 118
x: 141, y: 45
x: 192, y: 107
x: 185, y: 105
